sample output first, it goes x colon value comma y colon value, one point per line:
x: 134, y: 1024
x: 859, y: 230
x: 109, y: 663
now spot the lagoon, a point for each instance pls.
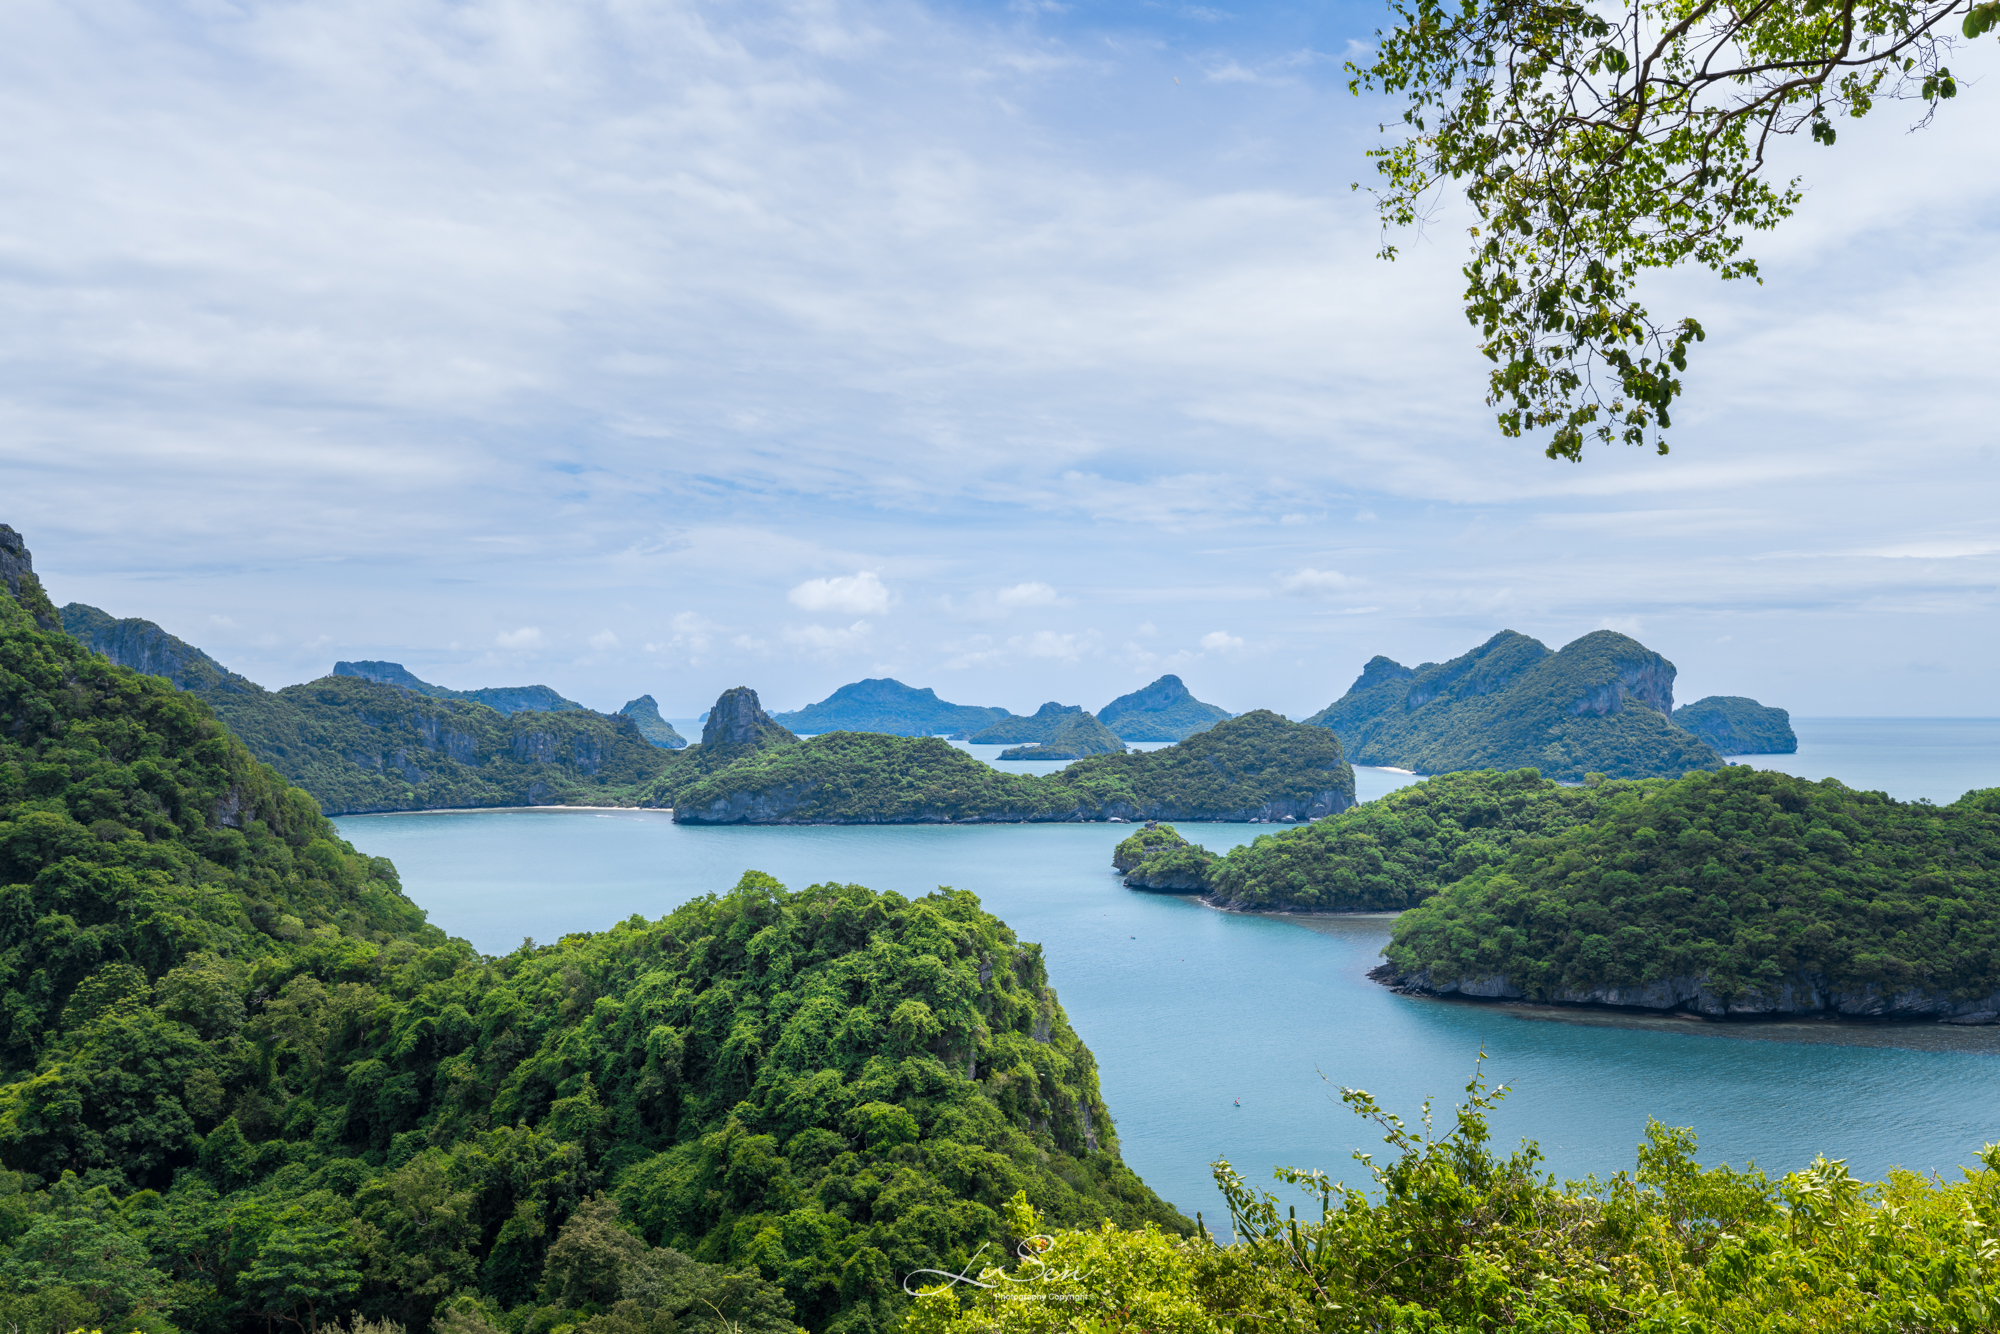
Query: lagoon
x: 1189, y: 1010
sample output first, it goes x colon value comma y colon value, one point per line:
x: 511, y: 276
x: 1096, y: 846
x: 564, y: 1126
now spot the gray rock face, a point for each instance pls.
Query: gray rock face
x: 17, y: 571
x: 145, y: 647
x: 738, y: 722
x: 1802, y: 994
x: 15, y: 560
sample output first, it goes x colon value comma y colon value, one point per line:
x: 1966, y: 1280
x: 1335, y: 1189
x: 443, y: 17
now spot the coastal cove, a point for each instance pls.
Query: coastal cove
x: 1189, y: 1009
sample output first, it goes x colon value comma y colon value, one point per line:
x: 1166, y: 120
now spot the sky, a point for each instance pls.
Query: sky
x: 1022, y: 351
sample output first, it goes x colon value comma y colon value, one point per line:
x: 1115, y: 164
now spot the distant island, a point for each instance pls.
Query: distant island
x: 376, y: 738
x: 645, y: 714
x: 1604, y: 704
x: 501, y: 699
x: 1078, y: 735
x: 1017, y: 731
x: 882, y: 704
x: 750, y: 770
x: 1734, y: 725
x: 1162, y: 711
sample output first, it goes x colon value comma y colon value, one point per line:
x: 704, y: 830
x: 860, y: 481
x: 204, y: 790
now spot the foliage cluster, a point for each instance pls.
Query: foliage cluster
x: 1163, y: 711
x: 1743, y: 877
x: 1158, y: 858
x: 645, y: 715
x: 242, y: 1081
x: 1257, y: 766
x: 1458, y: 1240
x: 1598, y: 706
x: 1401, y: 848
x: 1594, y: 143
x: 1734, y: 725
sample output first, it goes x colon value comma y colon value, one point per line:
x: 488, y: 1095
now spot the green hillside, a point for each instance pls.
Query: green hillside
x: 1601, y: 705
x: 884, y: 705
x: 1078, y: 735
x: 361, y: 742
x: 1037, y: 726
x: 244, y: 1086
x: 645, y: 715
x: 1755, y: 889
x: 1383, y: 856
x: 1162, y: 711
x: 1735, y: 725
x: 501, y: 699
x: 1259, y: 766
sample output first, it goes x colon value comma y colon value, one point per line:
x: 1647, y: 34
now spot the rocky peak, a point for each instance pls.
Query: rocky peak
x: 17, y: 568
x: 1164, y: 693
x: 738, y: 722
x: 384, y: 673
x: 1379, y: 671
x: 1055, y: 710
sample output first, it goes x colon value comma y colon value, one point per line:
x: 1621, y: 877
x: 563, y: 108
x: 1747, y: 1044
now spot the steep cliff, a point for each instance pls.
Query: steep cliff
x: 17, y: 571
x: 1735, y: 725
x: 1162, y: 711
x: 145, y: 647
x: 1601, y: 705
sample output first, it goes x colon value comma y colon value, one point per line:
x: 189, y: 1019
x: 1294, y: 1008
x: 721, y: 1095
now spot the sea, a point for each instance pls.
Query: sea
x: 1225, y: 1036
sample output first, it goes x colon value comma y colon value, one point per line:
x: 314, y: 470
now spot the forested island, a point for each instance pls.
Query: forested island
x: 1735, y: 725
x: 1603, y: 704
x: 750, y: 770
x: 1077, y: 735
x: 244, y: 1085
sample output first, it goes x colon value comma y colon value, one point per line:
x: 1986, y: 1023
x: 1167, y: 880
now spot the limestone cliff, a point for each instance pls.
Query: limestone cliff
x: 145, y: 647
x: 17, y: 570
x: 1735, y: 725
x: 645, y: 713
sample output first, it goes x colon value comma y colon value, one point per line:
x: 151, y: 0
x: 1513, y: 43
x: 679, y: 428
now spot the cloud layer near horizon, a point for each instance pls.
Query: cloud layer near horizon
x: 640, y: 347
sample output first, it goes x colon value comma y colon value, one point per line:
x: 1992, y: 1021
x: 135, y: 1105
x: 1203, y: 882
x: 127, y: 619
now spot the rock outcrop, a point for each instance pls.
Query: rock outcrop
x: 145, y: 647
x: 738, y: 724
x: 1802, y: 995
x: 17, y: 571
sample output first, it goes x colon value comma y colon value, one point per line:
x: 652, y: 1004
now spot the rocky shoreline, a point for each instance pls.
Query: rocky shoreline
x: 1797, y: 997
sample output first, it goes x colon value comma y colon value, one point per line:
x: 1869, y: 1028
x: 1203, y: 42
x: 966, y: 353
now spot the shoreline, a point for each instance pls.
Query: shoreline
x: 487, y: 810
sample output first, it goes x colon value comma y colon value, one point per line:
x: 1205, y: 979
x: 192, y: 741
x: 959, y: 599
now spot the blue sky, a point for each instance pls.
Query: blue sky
x: 1023, y: 351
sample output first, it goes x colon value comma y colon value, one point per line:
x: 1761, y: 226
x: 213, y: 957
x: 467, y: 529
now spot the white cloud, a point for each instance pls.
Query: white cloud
x: 1314, y: 583
x: 603, y: 640
x: 855, y: 594
x: 1220, y: 641
x: 527, y: 636
x: 1015, y: 596
x: 828, y: 641
x: 1049, y: 644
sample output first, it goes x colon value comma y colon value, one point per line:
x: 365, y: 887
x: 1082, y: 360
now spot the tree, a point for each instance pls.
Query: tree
x: 302, y: 1267
x: 1595, y: 142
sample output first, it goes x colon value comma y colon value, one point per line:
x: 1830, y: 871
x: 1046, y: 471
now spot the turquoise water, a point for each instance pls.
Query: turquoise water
x: 1189, y: 1009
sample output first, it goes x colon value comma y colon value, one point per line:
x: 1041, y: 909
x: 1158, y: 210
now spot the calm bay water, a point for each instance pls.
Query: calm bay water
x: 1190, y: 1010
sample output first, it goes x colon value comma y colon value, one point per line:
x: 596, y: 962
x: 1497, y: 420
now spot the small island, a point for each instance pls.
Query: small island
x: 1735, y: 725
x: 1079, y: 734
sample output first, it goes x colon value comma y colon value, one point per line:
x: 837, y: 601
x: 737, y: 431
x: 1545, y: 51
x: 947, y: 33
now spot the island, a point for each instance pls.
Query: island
x: 1604, y: 704
x: 1734, y: 725
x: 883, y: 704
x: 645, y: 715
x: 1079, y: 734
x: 1162, y: 711
x: 1736, y: 893
x: 749, y: 770
x: 1017, y: 731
